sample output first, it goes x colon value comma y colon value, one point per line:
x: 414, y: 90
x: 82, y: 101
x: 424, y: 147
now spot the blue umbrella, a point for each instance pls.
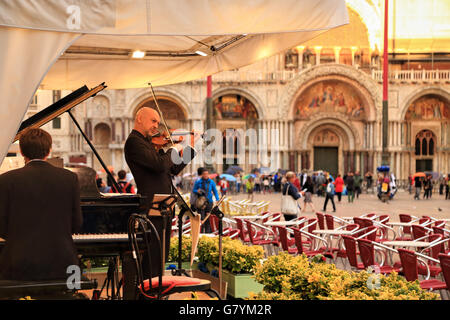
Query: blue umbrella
x: 233, y: 170
x: 228, y: 177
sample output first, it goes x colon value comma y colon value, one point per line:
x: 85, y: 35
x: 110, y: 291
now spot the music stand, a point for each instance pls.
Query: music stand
x: 219, y: 214
x: 163, y: 205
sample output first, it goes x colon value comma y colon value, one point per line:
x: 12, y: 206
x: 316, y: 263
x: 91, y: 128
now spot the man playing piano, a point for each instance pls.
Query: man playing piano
x: 39, y: 211
x: 152, y: 169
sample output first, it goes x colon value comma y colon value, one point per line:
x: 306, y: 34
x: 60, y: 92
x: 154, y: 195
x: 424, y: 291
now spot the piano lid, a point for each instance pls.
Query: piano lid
x: 59, y: 107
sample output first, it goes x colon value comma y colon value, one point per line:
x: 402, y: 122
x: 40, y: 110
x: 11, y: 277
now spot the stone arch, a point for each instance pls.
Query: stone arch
x: 253, y: 98
x: 145, y: 95
x: 417, y: 94
x: 351, y: 136
x: 102, y: 134
x: 364, y: 83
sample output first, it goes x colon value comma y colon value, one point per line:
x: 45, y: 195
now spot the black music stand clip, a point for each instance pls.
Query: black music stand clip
x: 165, y: 208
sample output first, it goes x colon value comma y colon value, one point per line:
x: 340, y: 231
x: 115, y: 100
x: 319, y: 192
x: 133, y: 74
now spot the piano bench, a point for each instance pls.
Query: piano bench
x: 49, y: 289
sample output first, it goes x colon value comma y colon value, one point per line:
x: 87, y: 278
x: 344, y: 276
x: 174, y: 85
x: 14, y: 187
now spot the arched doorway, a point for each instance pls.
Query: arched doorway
x: 102, y: 139
x: 171, y: 109
x: 326, y: 151
x: 234, y: 112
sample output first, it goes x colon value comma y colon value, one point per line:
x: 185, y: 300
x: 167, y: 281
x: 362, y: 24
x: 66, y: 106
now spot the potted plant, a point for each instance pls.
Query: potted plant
x: 238, y: 262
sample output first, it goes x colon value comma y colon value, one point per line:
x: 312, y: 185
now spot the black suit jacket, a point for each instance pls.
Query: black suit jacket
x: 39, y: 211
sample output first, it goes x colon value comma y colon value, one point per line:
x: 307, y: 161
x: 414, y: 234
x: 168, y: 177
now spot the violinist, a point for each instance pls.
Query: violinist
x: 152, y: 168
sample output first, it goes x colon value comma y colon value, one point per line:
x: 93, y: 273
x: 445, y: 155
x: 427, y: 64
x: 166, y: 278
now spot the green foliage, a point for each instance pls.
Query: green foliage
x: 237, y: 257
x: 185, y: 251
x: 286, y: 277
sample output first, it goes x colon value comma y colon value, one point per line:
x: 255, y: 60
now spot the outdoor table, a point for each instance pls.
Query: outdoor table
x: 254, y: 217
x: 328, y: 233
x: 412, y: 243
x: 405, y: 244
x: 399, y: 224
x: 340, y: 232
x: 283, y: 223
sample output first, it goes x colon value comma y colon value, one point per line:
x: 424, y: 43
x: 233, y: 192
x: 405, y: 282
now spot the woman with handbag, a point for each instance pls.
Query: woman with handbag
x: 290, y: 194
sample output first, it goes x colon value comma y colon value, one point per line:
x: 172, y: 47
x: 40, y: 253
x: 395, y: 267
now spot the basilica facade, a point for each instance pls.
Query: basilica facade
x: 322, y: 99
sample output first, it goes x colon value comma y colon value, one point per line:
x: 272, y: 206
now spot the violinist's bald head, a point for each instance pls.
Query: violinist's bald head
x: 146, y: 121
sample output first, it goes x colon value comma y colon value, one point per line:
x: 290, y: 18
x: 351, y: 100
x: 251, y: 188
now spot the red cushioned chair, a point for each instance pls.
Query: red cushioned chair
x: 140, y: 233
x: 242, y: 232
x: 320, y: 220
x: 286, y: 242
x: 367, y: 254
x: 445, y: 265
x: 409, y: 260
x: 407, y: 233
x: 352, y: 253
x: 262, y: 236
x: 419, y: 232
x: 342, y: 253
x: 302, y: 250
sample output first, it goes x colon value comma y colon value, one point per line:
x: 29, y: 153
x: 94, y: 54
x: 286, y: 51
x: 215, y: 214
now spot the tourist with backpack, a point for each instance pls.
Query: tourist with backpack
x: 125, y: 186
x: 204, y: 188
x: 329, y: 195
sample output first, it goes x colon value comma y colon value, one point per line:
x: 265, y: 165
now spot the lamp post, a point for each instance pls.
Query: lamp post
x: 385, y: 114
x: 209, y: 113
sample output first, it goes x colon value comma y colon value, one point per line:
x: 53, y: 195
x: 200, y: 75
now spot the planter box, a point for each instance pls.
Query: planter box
x: 239, y: 285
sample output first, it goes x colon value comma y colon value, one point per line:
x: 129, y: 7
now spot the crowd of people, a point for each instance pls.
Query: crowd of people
x: 427, y: 184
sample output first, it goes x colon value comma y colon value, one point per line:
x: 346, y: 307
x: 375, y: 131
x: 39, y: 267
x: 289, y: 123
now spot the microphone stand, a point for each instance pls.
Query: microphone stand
x: 164, y: 207
x: 219, y: 214
x: 184, y: 207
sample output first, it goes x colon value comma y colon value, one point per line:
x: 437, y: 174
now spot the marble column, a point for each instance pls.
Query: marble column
x: 358, y: 161
x: 345, y: 163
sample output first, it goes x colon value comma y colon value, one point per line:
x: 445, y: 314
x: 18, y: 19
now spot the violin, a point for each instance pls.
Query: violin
x: 168, y: 137
x: 164, y: 139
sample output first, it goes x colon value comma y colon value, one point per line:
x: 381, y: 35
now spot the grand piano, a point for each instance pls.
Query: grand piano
x: 105, y: 216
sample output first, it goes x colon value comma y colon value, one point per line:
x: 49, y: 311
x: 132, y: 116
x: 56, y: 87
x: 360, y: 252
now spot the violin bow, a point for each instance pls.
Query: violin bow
x: 160, y: 113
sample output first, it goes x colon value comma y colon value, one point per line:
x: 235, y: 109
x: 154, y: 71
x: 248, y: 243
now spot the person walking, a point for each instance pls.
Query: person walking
x: 206, y: 187
x: 250, y: 186
x: 369, y: 181
x: 418, y: 186
x: 329, y: 195
x: 238, y: 182
x: 290, y: 194
x: 427, y: 185
x: 308, y: 191
x: 350, y: 183
x: 339, y: 186
x: 223, y: 186
x: 266, y: 185
x: 258, y: 183
x: 447, y: 187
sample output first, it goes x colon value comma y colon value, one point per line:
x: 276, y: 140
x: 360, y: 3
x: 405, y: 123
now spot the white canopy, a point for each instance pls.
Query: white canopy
x: 64, y: 44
